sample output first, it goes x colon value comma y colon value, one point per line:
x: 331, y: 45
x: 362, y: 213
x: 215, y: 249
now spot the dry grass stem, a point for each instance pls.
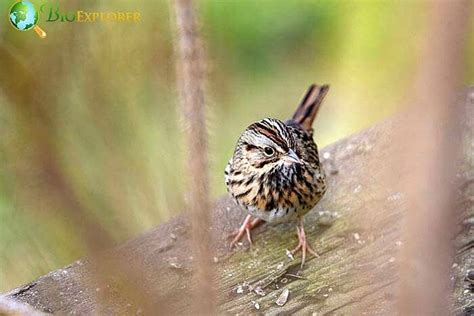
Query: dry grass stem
x: 191, y: 84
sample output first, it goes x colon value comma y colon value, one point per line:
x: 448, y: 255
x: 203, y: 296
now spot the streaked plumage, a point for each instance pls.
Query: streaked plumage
x: 275, y: 173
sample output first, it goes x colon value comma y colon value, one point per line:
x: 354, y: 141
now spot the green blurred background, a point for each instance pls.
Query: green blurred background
x: 90, y: 130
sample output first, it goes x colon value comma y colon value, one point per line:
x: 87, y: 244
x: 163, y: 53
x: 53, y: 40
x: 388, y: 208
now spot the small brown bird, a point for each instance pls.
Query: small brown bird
x: 275, y: 174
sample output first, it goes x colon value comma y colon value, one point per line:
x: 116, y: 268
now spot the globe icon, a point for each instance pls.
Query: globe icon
x: 24, y: 17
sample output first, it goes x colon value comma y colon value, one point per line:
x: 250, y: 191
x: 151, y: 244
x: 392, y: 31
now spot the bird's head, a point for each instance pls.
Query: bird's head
x: 267, y: 145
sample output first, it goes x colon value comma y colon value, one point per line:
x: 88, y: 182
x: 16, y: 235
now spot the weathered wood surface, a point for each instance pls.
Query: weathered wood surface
x: 13, y: 307
x: 355, y: 273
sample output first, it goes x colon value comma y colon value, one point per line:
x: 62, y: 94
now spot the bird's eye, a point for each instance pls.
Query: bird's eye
x: 269, y: 151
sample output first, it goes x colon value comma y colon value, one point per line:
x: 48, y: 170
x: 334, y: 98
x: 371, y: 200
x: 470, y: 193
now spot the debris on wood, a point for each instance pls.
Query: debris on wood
x: 259, y: 291
x: 283, y: 298
x: 470, y: 276
x: 256, y: 305
x: 296, y: 276
x: 273, y: 277
x: 174, y: 263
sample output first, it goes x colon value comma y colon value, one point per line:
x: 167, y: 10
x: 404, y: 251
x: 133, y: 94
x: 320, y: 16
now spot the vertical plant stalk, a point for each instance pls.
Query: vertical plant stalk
x: 190, y: 68
x: 431, y: 138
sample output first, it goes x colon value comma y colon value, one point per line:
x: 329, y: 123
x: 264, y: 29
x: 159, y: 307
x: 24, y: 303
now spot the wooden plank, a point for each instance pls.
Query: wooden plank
x: 356, y: 271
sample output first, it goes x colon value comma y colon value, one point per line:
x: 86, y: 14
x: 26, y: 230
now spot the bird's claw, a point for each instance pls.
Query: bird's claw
x: 247, y: 225
x: 303, y: 245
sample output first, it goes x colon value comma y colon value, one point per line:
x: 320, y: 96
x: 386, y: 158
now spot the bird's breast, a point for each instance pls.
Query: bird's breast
x: 279, y: 195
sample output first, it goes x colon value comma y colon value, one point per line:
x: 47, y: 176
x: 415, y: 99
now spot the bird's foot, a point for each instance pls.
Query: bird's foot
x: 303, y: 244
x: 246, y: 227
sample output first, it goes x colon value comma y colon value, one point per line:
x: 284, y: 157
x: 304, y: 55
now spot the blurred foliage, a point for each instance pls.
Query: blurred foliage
x: 90, y: 136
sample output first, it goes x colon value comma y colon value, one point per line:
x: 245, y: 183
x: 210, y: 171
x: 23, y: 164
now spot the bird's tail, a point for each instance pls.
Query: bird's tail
x: 309, y: 106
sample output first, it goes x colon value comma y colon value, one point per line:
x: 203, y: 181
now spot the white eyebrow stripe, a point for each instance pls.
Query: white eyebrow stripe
x: 263, y: 140
x: 254, y: 137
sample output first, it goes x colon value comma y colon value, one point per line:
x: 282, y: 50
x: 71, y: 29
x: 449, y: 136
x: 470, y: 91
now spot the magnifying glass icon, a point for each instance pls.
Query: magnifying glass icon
x: 24, y: 17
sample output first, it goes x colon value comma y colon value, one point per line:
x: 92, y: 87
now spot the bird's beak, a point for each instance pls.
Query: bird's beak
x: 292, y: 157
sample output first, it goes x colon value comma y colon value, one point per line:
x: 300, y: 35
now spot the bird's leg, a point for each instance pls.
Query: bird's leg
x: 247, y: 225
x: 302, y: 244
